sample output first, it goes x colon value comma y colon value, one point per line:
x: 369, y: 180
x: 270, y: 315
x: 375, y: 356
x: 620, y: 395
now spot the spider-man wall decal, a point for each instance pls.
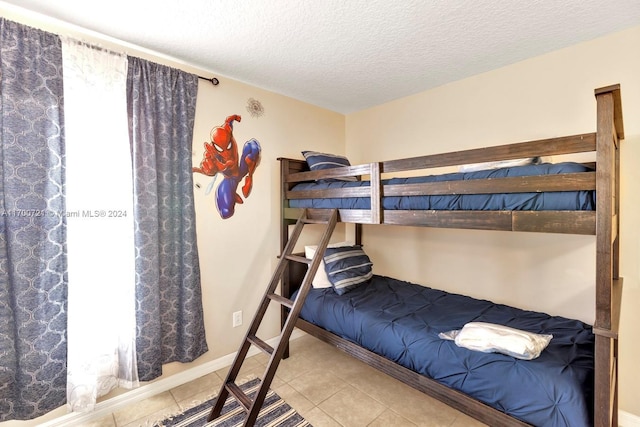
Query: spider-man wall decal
x: 221, y: 156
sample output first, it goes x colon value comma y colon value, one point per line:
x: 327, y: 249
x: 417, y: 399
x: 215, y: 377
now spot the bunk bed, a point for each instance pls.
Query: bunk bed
x: 480, y: 200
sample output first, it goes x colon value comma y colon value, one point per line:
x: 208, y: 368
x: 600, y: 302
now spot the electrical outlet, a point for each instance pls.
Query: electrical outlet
x: 237, y: 318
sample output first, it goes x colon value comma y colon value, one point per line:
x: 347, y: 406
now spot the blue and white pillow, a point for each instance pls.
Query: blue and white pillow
x: 321, y: 161
x: 347, y: 268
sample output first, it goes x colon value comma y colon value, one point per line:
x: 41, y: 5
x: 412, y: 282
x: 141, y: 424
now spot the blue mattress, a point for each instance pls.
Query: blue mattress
x: 560, y: 200
x: 401, y: 321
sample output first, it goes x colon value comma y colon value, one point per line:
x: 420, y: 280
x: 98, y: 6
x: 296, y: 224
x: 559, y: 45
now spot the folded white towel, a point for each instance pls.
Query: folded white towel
x: 490, y: 338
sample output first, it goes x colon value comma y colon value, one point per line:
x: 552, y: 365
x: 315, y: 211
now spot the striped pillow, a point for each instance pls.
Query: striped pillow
x: 320, y: 161
x: 347, y: 268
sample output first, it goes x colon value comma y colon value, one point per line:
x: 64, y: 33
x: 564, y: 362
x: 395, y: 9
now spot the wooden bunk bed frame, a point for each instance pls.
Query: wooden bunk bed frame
x: 603, y: 223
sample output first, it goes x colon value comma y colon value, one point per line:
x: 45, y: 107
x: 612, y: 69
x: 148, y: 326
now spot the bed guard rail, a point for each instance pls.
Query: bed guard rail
x: 295, y: 171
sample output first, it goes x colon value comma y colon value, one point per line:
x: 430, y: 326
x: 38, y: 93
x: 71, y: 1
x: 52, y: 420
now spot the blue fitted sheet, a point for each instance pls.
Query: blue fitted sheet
x: 561, y: 200
x: 401, y: 321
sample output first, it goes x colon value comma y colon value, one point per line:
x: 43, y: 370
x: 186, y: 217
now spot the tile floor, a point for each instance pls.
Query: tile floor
x: 327, y: 387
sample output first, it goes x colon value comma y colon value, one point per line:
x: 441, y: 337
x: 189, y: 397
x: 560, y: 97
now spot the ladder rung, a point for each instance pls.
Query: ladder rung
x: 281, y: 300
x: 298, y: 258
x: 260, y: 344
x: 314, y: 221
x: 240, y: 396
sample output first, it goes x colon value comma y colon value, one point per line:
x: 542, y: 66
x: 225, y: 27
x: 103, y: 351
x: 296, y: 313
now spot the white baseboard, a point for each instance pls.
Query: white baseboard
x: 146, y: 391
x: 626, y: 419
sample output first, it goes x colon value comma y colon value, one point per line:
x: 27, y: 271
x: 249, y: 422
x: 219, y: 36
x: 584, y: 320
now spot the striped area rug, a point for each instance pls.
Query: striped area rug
x: 275, y: 412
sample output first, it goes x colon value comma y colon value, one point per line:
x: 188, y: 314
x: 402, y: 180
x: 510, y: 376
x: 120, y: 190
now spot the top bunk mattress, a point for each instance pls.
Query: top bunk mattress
x: 550, y: 201
x: 401, y: 322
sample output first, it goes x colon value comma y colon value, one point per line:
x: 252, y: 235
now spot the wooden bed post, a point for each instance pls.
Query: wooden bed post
x: 376, y: 194
x: 608, y: 283
x: 285, y: 165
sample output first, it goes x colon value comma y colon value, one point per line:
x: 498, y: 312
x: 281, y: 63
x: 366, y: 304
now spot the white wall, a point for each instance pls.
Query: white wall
x: 547, y: 96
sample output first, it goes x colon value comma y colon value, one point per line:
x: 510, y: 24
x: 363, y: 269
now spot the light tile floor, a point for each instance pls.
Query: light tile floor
x: 327, y: 387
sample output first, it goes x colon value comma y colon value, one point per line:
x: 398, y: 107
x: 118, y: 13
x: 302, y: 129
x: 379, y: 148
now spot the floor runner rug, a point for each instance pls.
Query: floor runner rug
x: 275, y: 412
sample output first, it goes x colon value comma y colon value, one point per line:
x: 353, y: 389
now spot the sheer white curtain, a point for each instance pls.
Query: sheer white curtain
x: 101, y: 318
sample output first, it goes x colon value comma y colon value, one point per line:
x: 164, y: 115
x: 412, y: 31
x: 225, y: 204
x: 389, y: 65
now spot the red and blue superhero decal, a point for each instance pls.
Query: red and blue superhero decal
x: 221, y: 156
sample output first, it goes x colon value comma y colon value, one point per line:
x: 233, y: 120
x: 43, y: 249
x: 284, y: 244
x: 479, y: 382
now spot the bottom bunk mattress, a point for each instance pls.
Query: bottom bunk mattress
x: 401, y: 322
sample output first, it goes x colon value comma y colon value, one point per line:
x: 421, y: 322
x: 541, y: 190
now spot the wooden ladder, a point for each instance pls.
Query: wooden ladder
x: 229, y: 386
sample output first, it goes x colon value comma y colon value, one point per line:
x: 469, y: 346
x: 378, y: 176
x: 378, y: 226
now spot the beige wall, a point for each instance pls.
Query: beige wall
x: 238, y: 255
x: 550, y: 95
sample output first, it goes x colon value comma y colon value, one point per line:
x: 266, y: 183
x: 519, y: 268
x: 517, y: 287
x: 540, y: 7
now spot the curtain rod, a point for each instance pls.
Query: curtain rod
x: 213, y: 80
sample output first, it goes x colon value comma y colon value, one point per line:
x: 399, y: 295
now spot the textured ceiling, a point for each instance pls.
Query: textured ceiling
x: 346, y: 55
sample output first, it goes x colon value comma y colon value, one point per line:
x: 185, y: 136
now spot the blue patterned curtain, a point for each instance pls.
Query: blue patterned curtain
x: 33, y: 278
x: 161, y: 108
